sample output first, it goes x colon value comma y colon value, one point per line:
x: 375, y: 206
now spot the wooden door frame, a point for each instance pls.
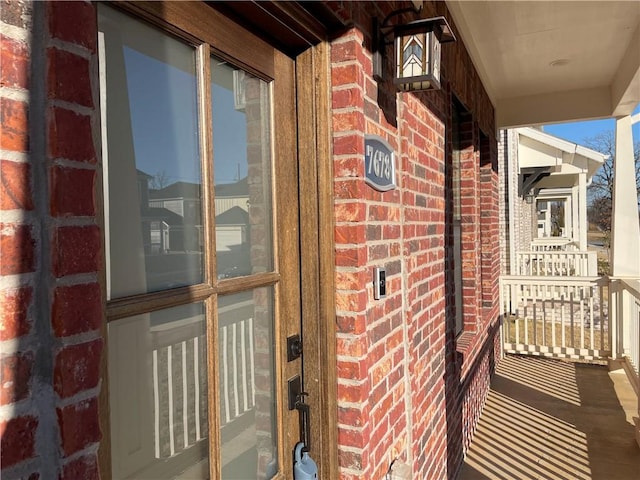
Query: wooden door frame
x: 313, y: 88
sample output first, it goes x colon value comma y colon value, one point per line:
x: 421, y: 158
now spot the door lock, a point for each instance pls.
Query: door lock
x: 294, y: 347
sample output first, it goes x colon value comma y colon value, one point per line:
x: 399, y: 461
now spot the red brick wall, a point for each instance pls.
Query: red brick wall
x: 51, y: 305
x: 407, y: 387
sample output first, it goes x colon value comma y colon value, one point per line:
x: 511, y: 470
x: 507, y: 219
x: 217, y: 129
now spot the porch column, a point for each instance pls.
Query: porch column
x: 571, y: 215
x: 625, y: 237
x: 625, y: 228
x: 581, y: 219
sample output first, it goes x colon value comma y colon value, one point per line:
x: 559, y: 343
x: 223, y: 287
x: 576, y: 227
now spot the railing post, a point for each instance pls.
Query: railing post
x: 614, y: 308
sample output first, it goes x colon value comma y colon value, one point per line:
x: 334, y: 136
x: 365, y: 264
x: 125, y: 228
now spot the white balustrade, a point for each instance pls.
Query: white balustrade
x: 553, y: 244
x: 554, y: 316
x: 179, y: 369
x: 625, y: 298
x: 557, y: 263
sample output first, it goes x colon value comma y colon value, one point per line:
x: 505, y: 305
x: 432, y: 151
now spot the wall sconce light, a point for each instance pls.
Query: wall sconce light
x: 417, y: 48
x: 529, y: 198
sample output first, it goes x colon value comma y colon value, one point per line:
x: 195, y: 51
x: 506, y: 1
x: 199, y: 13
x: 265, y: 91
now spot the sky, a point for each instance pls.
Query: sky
x: 579, y: 131
x: 159, y: 94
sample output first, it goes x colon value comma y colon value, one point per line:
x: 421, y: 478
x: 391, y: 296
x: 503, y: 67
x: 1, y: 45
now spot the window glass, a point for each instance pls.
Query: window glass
x: 247, y: 385
x: 158, y: 394
x: 457, y: 213
x: 242, y: 171
x: 151, y: 158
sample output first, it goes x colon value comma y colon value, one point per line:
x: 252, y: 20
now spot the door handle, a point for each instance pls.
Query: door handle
x: 296, y: 402
x: 305, y: 421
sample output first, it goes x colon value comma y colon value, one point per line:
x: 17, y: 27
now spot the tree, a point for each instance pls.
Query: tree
x: 159, y: 180
x: 599, y: 213
x: 601, y: 188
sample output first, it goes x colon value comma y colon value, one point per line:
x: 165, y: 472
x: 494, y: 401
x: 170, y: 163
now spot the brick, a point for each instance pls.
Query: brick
x: 349, y: 189
x: 76, y: 250
x: 350, y: 145
x: 17, y: 14
x: 14, y: 312
x: 350, y: 212
x: 73, y: 22
x: 15, y: 193
x: 85, y: 467
x: 14, y: 58
x: 76, y: 309
x: 351, y: 233
x: 351, y: 460
x: 71, y: 136
x: 72, y: 192
x: 347, y: 98
x: 77, y: 368
x: 354, y: 324
x: 17, y: 440
x: 351, y: 301
x: 348, y: 121
x: 14, y: 116
x: 346, y: 74
x: 79, y: 426
x: 343, y: 52
x: 17, y: 249
x: 351, y: 438
x: 69, y: 78
x: 15, y: 376
x: 351, y: 257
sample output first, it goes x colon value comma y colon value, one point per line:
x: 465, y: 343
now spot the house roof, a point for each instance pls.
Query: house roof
x: 177, y: 190
x: 548, y: 161
x: 163, y: 214
x: 548, y: 62
x: 237, y: 189
x: 233, y: 216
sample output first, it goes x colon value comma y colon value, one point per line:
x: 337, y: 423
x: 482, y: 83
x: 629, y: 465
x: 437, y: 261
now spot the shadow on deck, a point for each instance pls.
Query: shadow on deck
x: 548, y: 419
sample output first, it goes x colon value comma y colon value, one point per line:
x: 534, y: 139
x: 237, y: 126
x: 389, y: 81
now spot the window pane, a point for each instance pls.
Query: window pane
x: 158, y: 394
x: 242, y: 171
x: 151, y: 157
x: 247, y: 385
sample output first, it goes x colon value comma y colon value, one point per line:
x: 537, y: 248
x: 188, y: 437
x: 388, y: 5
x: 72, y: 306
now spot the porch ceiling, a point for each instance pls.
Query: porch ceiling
x: 547, y: 62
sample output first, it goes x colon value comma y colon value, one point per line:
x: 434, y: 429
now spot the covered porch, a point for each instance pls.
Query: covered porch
x: 555, y: 420
x: 564, y: 400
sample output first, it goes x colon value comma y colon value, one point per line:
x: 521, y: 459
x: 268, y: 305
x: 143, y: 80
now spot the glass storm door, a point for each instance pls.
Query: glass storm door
x: 202, y: 263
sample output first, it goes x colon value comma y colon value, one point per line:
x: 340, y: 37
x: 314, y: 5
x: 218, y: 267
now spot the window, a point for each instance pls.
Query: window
x: 456, y: 148
x: 190, y: 274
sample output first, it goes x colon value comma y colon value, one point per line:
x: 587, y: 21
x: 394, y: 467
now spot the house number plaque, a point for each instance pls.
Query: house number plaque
x: 379, y: 163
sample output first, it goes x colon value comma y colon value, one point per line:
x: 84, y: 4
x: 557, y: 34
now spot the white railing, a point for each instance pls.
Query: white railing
x: 557, y: 263
x: 553, y: 244
x: 179, y: 366
x: 555, y: 316
x: 625, y: 301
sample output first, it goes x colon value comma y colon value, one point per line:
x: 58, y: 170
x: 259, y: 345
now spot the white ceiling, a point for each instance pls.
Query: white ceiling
x: 554, y: 61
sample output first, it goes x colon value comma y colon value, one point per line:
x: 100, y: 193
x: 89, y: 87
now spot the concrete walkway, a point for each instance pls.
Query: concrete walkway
x: 553, y: 420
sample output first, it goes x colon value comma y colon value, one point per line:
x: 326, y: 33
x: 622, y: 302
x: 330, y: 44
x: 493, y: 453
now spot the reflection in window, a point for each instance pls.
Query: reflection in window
x: 247, y: 385
x: 158, y: 394
x: 456, y: 141
x: 151, y: 158
x: 242, y: 171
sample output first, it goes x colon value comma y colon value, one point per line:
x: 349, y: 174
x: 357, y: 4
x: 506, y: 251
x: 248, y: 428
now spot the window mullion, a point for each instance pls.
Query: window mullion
x: 203, y: 67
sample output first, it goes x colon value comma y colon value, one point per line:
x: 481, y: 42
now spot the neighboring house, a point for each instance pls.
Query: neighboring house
x: 364, y: 322
x: 543, y: 184
x: 182, y: 198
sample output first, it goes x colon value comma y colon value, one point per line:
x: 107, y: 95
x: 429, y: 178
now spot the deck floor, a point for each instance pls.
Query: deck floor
x: 547, y: 419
